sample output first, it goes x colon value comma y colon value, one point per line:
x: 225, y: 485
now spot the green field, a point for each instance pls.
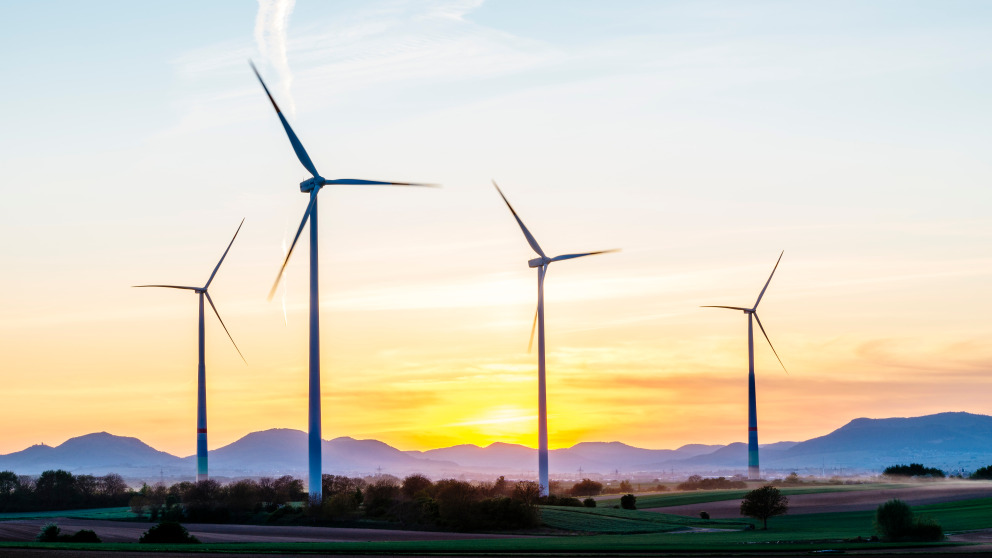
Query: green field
x: 665, y: 499
x: 609, y: 520
x: 114, y: 514
x: 628, y: 531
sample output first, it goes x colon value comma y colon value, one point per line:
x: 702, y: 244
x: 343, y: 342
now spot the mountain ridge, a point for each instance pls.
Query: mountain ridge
x: 950, y: 440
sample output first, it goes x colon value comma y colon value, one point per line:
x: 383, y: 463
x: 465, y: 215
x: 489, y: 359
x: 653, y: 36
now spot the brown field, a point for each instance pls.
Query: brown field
x: 858, y: 500
x: 116, y: 531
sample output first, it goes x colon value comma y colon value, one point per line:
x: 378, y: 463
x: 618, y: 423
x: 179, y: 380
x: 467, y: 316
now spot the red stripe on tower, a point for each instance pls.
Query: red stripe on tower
x: 201, y: 430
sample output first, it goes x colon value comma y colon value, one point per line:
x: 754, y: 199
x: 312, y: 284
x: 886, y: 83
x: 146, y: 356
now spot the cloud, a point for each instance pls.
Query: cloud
x: 270, y: 37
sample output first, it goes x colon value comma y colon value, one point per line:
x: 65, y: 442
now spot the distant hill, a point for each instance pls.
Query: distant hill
x: 950, y: 441
x: 97, y: 453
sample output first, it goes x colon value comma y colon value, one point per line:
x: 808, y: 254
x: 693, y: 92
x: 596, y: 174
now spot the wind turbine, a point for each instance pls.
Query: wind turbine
x: 201, y: 372
x: 312, y: 186
x: 541, y: 263
x: 753, y: 470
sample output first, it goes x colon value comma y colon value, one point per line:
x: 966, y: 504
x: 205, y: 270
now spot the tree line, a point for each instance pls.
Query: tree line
x: 414, y: 501
x: 61, y: 490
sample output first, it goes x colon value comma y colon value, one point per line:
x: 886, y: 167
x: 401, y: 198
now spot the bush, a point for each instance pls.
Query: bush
x: 927, y: 529
x: 380, y: 496
x: 52, y: 533
x: 589, y: 503
x: 168, y: 532
x: 83, y: 536
x: 555, y: 500
x: 704, y: 515
x: 628, y: 502
x: 49, y: 533
x: 696, y: 482
x: 894, y: 521
x: 586, y: 487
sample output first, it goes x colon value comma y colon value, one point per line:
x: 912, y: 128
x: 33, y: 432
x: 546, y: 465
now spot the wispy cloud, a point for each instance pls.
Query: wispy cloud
x: 270, y: 37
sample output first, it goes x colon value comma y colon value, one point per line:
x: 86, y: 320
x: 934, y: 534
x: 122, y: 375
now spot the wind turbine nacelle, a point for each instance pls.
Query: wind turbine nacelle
x: 537, y: 262
x: 308, y: 186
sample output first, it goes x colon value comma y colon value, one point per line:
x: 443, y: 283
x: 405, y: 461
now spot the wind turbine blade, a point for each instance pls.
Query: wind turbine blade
x: 769, y: 280
x: 770, y: 342
x: 211, y: 301
x: 360, y: 182
x: 301, y: 153
x: 530, y: 238
x: 224, y: 256
x: 169, y: 287
x: 306, y: 215
x: 533, y: 328
x: 570, y: 256
x: 728, y: 307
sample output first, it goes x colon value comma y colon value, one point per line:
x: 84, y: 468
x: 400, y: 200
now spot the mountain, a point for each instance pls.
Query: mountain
x: 497, y: 456
x: 97, y: 453
x: 950, y: 441
x: 283, y: 451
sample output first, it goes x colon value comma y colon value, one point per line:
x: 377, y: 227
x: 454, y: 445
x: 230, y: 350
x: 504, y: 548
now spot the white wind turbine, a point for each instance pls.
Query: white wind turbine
x: 541, y: 263
x: 312, y: 187
x: 753, y: 469
x: 201, y: 374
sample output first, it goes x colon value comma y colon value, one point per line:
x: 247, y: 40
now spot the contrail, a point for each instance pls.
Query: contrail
x: 270, y: 36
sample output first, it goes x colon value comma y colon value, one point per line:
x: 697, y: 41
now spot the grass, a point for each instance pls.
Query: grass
x: 799, y: 533
x: 114, y: 514
x: 608, y: 520
x: 666, y: 499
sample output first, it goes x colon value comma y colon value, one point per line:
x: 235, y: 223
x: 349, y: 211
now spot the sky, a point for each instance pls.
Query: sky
x: 702, y: 138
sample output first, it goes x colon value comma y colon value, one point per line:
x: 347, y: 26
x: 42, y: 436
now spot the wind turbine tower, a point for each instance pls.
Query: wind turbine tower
x: 753, y: 469
x: 201, y: 373
x: 541, y: 263
x: 312, y: 187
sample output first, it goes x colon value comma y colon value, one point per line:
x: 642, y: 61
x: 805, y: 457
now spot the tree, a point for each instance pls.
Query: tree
x: 527, y: 492
x: 762, y: 503
x: 415, y: 485
x: 8, y: 483
x: 628, y: 502
x: 913, y: 470
x: 985, y: 473
x: 586, y: 487
x: 894, y: 520
x: 56, y: 489
x: 168, y: 532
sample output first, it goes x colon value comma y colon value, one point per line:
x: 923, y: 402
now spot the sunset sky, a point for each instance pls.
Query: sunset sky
x: 701, y: 138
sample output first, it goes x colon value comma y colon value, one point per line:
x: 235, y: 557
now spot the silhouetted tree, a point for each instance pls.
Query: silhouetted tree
x: 913, y: 470
x: 55, y: 490
x: 764, y: 502
x: 527, y: 492
x: 628, y: 502
x: 416, y: 485
x: 8, y: 483
x: 586, y: 487
x: 985, y: 473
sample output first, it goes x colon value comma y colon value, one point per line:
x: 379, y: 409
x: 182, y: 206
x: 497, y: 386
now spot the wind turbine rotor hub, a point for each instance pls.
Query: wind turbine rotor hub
x: 311, y: 184
x: 538, y: 262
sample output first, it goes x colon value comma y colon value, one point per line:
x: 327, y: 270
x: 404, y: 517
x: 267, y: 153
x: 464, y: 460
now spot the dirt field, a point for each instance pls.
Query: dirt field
x: 116, y: 531
x: 860, y: 500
